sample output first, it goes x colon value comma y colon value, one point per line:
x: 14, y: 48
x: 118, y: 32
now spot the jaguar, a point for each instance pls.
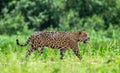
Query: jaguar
x: 60, y: 40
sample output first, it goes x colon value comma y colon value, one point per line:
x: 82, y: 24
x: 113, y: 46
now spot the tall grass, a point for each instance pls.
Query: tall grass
x: 100, y: 55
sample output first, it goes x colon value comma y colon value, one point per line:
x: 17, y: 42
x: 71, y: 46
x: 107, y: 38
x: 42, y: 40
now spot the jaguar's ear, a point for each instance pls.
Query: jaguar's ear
x: 80, y: 32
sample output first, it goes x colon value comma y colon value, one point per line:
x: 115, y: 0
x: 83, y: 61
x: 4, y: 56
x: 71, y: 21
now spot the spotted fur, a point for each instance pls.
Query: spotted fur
x: 60, y: 40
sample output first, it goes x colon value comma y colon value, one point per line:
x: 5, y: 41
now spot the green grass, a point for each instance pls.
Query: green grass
x: 100, y: 55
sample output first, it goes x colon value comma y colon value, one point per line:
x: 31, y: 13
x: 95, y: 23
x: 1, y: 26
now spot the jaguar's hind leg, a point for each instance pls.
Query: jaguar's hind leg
x: 30, y: 51
x: 62, y: 51
x: 40, y: 50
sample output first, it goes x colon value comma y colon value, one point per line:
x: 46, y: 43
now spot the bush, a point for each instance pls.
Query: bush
x: 13, y: 23
x: 61, y: 15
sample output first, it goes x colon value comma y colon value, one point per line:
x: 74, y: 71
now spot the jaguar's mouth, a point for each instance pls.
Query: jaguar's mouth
x: 86, y: 40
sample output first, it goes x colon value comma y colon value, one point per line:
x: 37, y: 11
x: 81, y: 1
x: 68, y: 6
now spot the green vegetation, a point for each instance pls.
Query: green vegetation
x: 20, y: 16
x: 100, y: 18
x: 99, y: 55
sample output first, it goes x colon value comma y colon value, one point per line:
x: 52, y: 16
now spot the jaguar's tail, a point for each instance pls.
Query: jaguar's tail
x: 27, y: 42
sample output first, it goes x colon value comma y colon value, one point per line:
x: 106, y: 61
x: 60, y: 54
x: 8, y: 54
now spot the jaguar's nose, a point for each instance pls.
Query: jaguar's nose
x: 88, y: 38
